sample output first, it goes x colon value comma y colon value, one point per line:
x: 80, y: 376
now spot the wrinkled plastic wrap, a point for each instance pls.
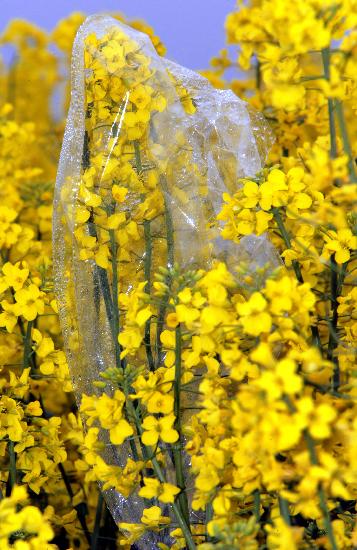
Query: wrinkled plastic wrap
x: 140, y: 122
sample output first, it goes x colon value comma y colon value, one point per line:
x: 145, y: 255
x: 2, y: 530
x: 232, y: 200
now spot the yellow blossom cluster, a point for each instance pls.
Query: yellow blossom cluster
x: 225, y: 413
x: 254, y: 385
x: 49, y: 495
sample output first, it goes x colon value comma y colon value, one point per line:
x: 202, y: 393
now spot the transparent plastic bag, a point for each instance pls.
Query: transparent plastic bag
x: 148, y: 150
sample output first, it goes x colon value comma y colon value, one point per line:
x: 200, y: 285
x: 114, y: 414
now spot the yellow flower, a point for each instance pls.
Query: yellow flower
x: 120, y: 432
x: 130, y: 338
x: 254, y: 315
x: 282, y: 536
x: 82, y: 214
x: 45, y: 347
x: 10, y: 419
x: 115, y: 220
x: 168, y: 339
x: 34, y: 409
x: 143, y: 315
x: 341, y: 243
x: 153, y: 518
x: 8, y: 317
x: 136, y: 123
x: 29, y: 302
x: 14, y: 275
x: 90, y: 199
x: 282, y: 380
x: 160, y: 403
x: 217, y: 295
x: 186, y: 314
x: 134, y: 530
x: 268, y: 194
x: 207, y: 478
x: 280, y: 294
x: 317, y: 418
x: 119, y: 193
x: 109, y: 411
x: 21, y: 523
x: 159, y: 427
x: 165, y: 492
x: 288, y: 97
x: 141, y: 96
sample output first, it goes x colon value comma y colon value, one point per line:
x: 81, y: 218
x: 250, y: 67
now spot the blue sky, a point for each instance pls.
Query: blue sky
x: 193, y: 31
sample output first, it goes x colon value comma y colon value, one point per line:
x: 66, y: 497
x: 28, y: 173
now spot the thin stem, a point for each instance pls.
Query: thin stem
x: 258, y: 75
x: 286, y: 238
x: 101, y: 278
x: 148, y: 255
x: 284, y: 510
x: 335, y: 274
x: 345, y: 139
x: 170, y: 263
x: 147, y: 263
x: 139, y: 166
x: 310, y: 444
x: 147, y: 271
x: 98, y: 517
x: 80, y: 508
x: 332, y: 344
x: 333, y: 144
x: 147, y: 453
x: 115, y: 283
x: 177, y: 447
x: 27, y: 345
x: 12, y: 465
x: 321, y: 492
x: 208, y: 518
x: 256, y: 497
x: 169, y: 227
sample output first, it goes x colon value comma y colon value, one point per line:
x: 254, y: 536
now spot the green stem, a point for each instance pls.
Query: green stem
x: 170, y: 244
x: 115, y: 283
x: 310, y: 444
x: 177, y: 447
x: 132, y: 412
x: 335, y: 284
x: 147, y: 264
x: 208, y: 518
x: 333, y: 143
x: 139, y: 166
x: 256, y: 497
x: 321, y: 492
x: 332, y: 344
x: 80, y: 508
x: 12, y: 465
x: 169, y: 227
x: 98, y: 517
x: 101, y: 276
x: 147, y: 270
x: 258, y: 75
x: 148, y: 453
x: 345, y: 139
x: 284, y: 510
x: 148, y: 255
x: 286, y: 238
x: 27, y: 345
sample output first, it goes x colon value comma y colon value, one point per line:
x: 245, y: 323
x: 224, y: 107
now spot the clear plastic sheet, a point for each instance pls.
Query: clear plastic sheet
x: 162, y: 132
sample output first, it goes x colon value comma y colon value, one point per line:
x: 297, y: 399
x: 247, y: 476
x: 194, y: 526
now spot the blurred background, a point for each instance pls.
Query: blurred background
x: 193, y: 31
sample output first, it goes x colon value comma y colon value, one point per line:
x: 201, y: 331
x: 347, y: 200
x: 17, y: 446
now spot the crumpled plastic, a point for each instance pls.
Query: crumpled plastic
x: 187, y: 149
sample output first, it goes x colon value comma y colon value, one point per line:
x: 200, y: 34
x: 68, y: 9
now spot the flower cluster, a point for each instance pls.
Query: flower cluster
x: 49, y: 496
x: 228, y: 396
